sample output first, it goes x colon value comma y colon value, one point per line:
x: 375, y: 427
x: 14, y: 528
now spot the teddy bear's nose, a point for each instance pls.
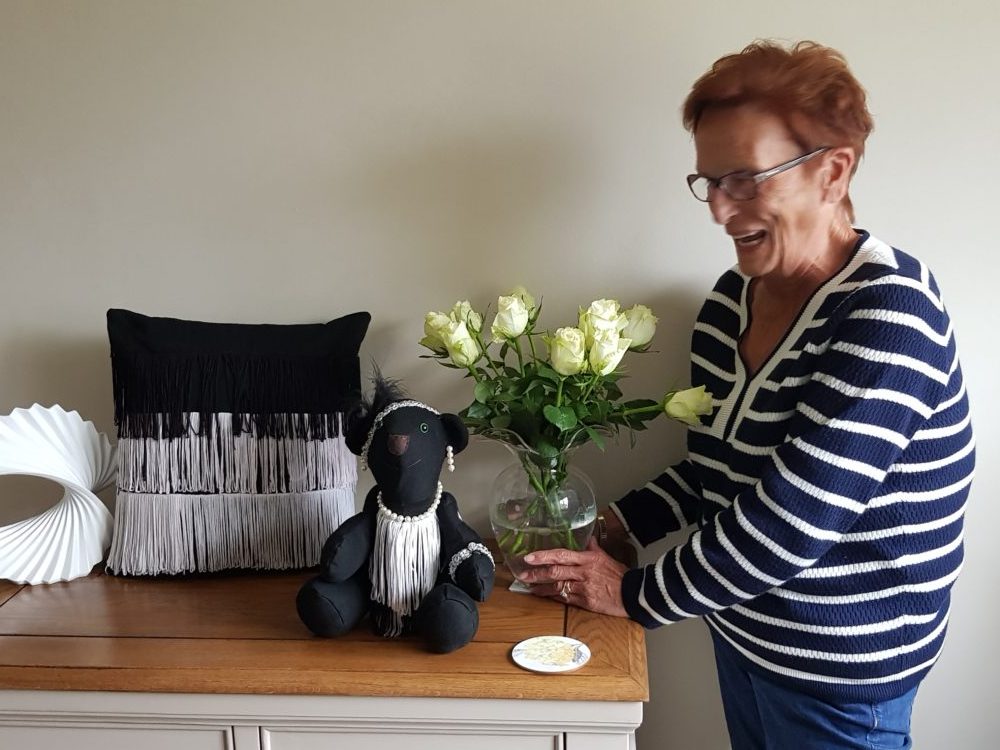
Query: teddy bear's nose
x: 398, y: 444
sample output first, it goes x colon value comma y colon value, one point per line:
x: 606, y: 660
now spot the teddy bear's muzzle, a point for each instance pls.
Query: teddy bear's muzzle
x: 398, y: 444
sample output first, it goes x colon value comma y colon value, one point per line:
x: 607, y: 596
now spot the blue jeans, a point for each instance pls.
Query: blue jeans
x: 763, y: 715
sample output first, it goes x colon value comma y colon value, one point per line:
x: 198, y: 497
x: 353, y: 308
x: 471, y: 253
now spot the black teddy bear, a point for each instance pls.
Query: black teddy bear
x: 407, y: 558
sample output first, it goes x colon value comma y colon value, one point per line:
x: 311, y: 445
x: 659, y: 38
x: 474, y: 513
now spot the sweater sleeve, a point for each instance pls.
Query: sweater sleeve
x: 875, y: 381
x: 669, y: 503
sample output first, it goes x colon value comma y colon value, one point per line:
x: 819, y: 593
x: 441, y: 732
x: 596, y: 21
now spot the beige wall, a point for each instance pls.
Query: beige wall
x: 286, y: 162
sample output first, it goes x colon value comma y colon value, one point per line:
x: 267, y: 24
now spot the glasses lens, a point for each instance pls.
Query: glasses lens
x: 740, y: 187
x: 699, y: 186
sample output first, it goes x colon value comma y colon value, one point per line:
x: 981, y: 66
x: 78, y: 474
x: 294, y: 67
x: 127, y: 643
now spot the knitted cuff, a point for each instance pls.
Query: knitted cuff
x: 631, y: 588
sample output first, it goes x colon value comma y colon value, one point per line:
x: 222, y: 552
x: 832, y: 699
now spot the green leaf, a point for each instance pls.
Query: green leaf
x: 515, y: 386
x: 548, y: 387
x: 582, y: 410
x: 482, y: 392
x: 548, y: 373
x: 532, y: 386
x: 478, y: 411
x: 563, y: 417
x: 546, y: 449
x: 531, y: 403
x: 595, y: 436
x: 501, y: 421
x: 601, y: 410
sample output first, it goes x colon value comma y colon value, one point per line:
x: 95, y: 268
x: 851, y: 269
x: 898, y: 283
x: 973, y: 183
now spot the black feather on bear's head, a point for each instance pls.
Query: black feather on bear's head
x: 360, y: 420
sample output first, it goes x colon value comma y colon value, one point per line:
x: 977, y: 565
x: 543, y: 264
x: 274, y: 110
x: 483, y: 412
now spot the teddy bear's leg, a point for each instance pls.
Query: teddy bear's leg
x: 447, y: 618
x: 332, y: 609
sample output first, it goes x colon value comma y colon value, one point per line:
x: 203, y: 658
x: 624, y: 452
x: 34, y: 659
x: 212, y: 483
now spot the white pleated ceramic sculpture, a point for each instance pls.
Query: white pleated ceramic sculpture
x: 70, y: 538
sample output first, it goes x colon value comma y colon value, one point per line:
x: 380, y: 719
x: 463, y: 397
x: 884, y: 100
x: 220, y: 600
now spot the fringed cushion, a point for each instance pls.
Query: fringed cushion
x: 231, y: 452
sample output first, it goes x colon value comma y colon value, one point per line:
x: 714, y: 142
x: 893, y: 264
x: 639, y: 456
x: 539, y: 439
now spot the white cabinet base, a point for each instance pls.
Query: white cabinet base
x: 56, y: 720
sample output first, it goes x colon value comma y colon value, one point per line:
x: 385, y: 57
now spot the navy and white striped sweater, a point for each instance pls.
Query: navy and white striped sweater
x: 829, y: 487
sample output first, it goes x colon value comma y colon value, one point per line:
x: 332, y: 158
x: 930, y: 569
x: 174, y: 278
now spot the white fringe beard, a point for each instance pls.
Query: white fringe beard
x: 405, y: 561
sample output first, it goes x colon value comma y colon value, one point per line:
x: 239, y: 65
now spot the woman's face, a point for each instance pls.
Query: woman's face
x: 781, y: 231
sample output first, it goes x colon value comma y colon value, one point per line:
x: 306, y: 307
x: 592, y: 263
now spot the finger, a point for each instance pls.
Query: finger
x: 562, y: 591
x: 550, y: 573
x: 555, y: 557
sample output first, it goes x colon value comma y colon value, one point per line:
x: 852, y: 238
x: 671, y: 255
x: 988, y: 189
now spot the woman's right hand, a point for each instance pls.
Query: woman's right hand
x: 590, y: 579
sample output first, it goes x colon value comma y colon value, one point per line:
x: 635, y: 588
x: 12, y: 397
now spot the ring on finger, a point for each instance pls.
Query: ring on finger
x: 564, y: 590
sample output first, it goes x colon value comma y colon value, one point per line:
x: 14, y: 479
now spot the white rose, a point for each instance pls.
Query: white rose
x: 434, y: 324
x: 603, y: 315
x: 685, y: 406
x: 511, y: 319
x: 567, y: 351
x: 461, y: 346
x: 640, y: 325
x: 607, y: 351
x: 525, y: 297
x: 462, y: 312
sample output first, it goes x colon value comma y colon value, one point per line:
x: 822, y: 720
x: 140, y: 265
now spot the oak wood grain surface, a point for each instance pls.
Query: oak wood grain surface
x: 240, y: 634
x: 7, y: 590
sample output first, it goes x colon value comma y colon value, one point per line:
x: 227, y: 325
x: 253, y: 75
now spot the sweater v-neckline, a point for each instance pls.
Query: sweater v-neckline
x: 746, y: 314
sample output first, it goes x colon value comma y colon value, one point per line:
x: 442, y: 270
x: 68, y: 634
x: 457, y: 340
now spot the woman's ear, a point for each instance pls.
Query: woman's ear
x: 457, y: 432
x: 837, y: 172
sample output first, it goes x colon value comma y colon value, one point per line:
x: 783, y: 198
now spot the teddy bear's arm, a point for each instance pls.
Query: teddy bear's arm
x: 464, y: 557
x: 349, y: 546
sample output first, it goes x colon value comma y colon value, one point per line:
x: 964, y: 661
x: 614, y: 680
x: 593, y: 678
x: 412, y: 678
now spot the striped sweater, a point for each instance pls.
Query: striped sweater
x: 828, y: 488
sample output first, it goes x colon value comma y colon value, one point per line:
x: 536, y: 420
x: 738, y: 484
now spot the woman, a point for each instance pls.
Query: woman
x: 828, y: 485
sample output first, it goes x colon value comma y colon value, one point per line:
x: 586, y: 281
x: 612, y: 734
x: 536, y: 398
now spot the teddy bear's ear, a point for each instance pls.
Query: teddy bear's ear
x: 457, y: 432
x: 357, y: 429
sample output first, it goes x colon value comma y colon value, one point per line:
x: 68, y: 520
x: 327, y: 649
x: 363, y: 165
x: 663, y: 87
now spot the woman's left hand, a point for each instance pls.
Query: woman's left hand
x: 591, y: 579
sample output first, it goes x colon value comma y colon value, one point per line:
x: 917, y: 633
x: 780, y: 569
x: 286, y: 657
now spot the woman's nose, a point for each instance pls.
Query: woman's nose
x: 723, y: 207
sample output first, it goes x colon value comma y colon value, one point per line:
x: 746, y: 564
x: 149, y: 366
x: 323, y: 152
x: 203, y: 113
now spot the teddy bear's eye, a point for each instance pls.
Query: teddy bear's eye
x: 424, y: 427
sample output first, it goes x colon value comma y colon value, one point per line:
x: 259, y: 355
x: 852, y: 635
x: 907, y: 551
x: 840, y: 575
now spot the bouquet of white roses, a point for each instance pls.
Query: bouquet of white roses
x: 547, y: 393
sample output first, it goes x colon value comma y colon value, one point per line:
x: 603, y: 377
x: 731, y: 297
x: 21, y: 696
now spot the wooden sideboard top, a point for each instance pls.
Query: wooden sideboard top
x: 240, y: 634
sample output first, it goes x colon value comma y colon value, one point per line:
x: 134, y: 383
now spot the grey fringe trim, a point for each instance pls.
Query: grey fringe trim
x: 217, y: 460
x: 163, y: 533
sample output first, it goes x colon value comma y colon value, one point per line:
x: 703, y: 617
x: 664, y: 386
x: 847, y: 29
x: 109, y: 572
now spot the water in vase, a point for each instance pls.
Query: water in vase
x: 522, y: 526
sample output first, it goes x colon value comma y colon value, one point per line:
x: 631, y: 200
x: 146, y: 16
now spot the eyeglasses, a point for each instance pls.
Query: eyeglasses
x: 742, y: 186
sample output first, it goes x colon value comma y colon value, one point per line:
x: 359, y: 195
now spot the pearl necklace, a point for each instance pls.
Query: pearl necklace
x: 383, y: 511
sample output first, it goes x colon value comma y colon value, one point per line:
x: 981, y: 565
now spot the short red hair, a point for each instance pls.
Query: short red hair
x: 808, y: 85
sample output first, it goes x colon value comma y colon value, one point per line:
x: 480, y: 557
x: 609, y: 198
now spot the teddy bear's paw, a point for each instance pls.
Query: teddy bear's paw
x: 447, y: 618
x: 475, y: 576
x: 332, y: 609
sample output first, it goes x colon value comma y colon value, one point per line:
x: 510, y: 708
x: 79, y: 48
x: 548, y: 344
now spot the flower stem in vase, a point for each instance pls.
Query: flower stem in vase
x: 541, y: 504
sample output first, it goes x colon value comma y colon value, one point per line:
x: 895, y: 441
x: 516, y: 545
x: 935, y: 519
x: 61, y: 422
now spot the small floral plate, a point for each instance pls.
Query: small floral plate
x: 551, y: 654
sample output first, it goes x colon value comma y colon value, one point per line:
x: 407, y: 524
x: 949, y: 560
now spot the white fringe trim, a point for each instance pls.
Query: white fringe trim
x: 223, y: 462
x: 161, y: 533
x: 405, y: 562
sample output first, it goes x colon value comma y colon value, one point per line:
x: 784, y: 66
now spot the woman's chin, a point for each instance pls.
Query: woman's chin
x: 751, y: 258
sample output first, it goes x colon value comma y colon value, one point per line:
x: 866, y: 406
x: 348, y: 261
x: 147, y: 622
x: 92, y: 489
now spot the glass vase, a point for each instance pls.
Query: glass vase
x: 540, y: 503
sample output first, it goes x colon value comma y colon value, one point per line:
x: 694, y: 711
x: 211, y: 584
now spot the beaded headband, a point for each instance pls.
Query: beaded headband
x: 381, y: 416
